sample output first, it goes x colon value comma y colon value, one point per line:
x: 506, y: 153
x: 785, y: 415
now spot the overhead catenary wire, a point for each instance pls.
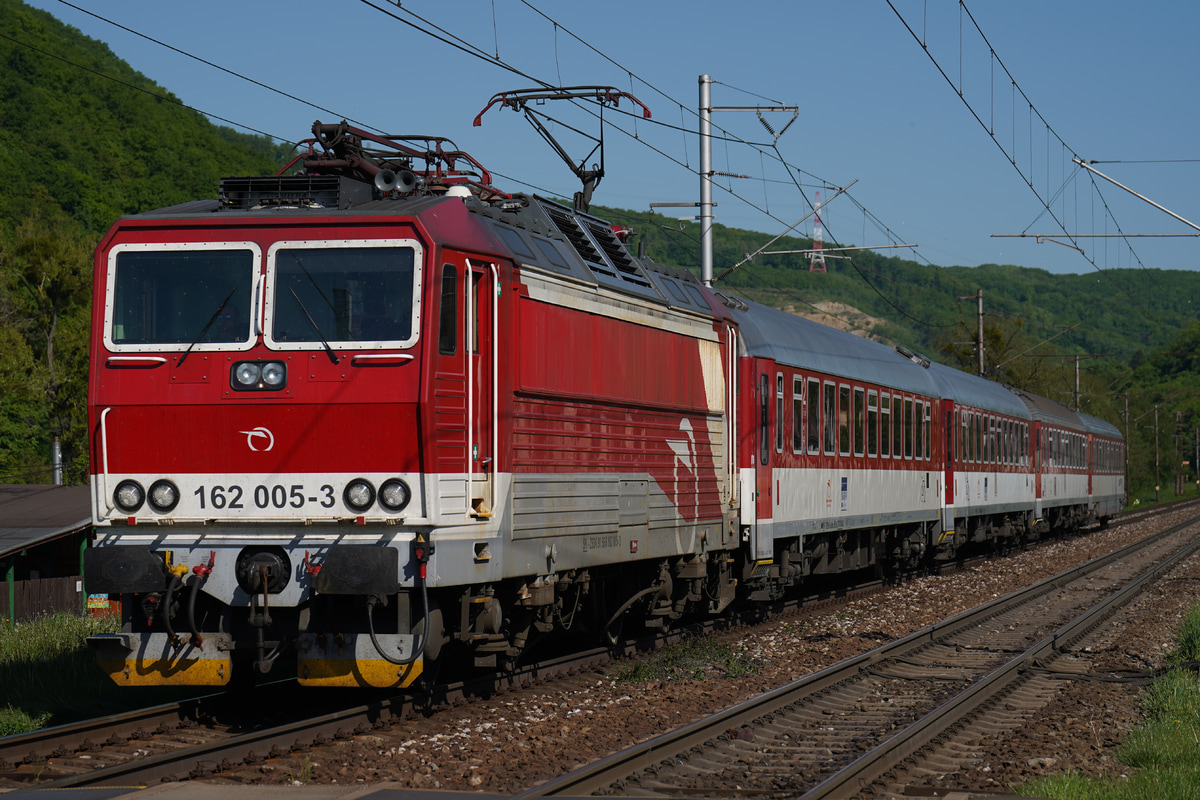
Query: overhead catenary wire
x: 451, y: 39
x: 1010, y: 153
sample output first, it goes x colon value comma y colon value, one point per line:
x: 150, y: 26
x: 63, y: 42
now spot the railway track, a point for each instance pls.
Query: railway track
x: 201, y: 736
x: 897, y: 712
x: 196, y: 738
x: 207, y: 735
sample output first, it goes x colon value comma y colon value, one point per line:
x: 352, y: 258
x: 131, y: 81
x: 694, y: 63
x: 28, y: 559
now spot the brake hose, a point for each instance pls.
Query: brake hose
x: 371, y: 602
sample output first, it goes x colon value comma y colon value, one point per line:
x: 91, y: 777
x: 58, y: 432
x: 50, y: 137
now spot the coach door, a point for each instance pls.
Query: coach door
x: 464, y: 388
x: 950, y: 454
x: 767, y: 428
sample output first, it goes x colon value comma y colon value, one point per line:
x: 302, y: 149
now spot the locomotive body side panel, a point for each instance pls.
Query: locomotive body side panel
x: 618, y: 437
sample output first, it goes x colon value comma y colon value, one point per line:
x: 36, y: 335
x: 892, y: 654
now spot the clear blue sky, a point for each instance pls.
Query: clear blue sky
x: 1113, y: 81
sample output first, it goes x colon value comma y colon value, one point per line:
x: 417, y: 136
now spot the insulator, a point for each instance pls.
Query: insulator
x: 766, y: 124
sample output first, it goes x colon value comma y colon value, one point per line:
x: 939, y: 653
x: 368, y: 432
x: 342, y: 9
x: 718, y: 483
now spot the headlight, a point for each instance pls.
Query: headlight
x: 359, y: 494
x: 129, y: 496
x: 246, y: 373
x: 164, y: 495
x: 256, y: 376
x: 394, y: 494
x: 273, y: 373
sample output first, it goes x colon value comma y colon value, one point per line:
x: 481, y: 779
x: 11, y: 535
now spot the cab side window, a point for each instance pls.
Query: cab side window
x: 448, y: 321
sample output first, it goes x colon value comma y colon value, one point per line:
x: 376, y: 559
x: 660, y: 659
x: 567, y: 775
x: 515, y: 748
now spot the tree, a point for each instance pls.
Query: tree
x: 45, y: 310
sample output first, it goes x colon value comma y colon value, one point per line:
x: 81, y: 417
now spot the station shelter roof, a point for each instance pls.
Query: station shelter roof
x: 33, y: 514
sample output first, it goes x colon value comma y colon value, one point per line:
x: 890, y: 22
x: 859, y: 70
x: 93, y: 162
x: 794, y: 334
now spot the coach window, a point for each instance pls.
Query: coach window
x: 908, y: 427
x: 448, y: 322
x: 872, y: 423
x: 813, y: 401
x: 918, y: 430
x: 964, y: 435
x: 858, y: 422
x: 973, y: 438
x: 830, y: 417
x: 885, y: 425
x: 964, y: 430
x: 927, y: 446
x: 844, y: 420
x: 981, y: 423
x: 960, y: 424
x: 779, y: 412
x: 797, y: 414
x: 972, y: 434
x: 923, y: 430
x: 764, y: 418
x: 897, y: 426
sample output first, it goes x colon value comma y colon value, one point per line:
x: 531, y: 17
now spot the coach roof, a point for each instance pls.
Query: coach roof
x: 801, y: 343
x: 976, y: 392
x: 1044, y: 409
x: 1100, y: 427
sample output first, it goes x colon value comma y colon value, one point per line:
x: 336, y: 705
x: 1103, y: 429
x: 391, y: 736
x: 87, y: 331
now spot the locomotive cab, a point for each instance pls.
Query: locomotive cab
x: 267, y: 378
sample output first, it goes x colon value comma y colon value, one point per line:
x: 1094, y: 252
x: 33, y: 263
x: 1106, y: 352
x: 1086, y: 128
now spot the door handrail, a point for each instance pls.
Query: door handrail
x: 104, y: 460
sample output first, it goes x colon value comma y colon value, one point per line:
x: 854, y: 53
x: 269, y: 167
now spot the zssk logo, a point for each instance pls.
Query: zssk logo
x: 259, y: 440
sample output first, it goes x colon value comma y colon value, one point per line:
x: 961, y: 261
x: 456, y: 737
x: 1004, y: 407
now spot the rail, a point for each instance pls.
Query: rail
x: 659, y: 756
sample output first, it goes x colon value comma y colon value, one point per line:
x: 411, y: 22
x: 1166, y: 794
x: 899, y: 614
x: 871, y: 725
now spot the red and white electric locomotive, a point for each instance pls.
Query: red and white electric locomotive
x: 362, y: 414
x: 378, y: 415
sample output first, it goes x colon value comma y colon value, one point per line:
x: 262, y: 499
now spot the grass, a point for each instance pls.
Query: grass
x: 694, y: 659
x: 47, y: 676
x: 1164, y: 752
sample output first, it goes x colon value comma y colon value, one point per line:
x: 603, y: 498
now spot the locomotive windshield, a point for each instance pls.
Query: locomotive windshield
x: 342, y: 292
x: 180, y: 297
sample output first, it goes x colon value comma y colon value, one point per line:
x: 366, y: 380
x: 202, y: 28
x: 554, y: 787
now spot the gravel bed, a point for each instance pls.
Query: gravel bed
x: 524, y: 737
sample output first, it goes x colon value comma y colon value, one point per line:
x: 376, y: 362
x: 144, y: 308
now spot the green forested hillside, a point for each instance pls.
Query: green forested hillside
x: 1125, y: 312
x: 85, y: 139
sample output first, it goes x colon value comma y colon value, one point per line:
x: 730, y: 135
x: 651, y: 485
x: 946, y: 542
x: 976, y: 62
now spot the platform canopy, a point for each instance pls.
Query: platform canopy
x: 32, y: 514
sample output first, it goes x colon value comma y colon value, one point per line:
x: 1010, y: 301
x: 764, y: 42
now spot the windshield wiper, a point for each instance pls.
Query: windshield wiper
x: 329, y: 350
x: 204, y: 330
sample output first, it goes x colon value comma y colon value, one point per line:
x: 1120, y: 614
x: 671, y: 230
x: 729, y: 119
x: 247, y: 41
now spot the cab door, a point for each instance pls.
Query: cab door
x: 481, y: 312
x: 463, y: 387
